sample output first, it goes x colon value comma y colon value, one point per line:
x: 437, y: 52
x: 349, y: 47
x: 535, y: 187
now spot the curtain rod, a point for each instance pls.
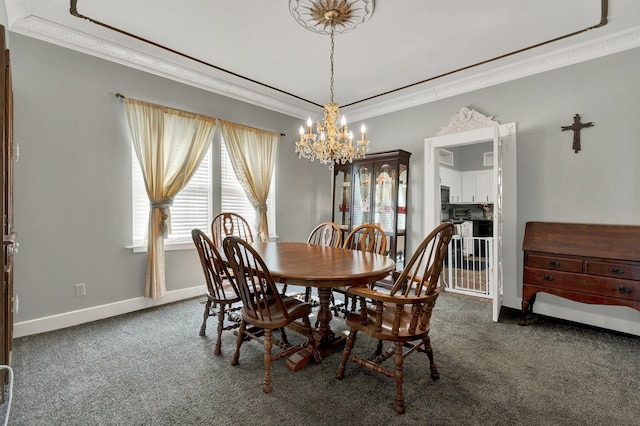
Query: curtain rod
x: 121, y: 97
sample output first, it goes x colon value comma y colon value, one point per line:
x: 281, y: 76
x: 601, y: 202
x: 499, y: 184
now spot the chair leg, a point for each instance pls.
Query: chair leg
x: 345, y: 305
x: 203, y: 327
x: 427, y: 347
x: 236, y: 355
x: 399, y: 359
x: 312, y: 341
x: 284, y: 336
x: 354, y: 301
x: 217, y: 350
x: 379, y: 348
x: 345, y: 354
x: 266, y: 387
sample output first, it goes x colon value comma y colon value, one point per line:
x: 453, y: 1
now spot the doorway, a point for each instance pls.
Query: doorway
x: 503, y: 182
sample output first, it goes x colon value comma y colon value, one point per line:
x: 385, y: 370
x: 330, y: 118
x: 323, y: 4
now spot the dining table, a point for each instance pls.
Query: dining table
x: 323, y: 267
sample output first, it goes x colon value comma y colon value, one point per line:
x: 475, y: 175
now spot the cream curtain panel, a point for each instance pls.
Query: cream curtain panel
x: 169, y: 144
x: 253, y: 155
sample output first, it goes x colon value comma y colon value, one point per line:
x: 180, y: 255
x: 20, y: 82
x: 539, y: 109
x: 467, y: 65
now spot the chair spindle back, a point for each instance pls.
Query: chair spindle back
x: 326, y: 234
x: 420, y: 275
x: 226, y: 224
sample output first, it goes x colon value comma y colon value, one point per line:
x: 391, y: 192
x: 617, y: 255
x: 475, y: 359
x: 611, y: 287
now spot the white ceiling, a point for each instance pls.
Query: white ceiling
x: 274, y: 62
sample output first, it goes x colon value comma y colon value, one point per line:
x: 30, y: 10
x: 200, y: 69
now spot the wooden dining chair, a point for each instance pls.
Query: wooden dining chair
x: 221, y: 290
x: 226, y: 224
x: 367, y: 237
x: 401, y: 316
x: 326, y: 234
x: 263, y: 307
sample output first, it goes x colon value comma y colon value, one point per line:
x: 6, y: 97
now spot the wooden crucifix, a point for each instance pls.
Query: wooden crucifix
x: 576, y: 127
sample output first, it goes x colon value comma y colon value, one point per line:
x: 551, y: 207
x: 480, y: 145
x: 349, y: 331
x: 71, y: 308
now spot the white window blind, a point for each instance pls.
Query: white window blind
x: 191, y: 207
x: 235, y: 200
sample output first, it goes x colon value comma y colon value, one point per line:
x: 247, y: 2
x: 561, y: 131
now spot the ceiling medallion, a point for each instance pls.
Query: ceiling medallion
x: 333, y: 143
x: 347, y: 14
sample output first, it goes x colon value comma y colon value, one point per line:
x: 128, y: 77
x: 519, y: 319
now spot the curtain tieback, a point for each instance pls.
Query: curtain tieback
x: 262, y: 208
x: 163, y: 205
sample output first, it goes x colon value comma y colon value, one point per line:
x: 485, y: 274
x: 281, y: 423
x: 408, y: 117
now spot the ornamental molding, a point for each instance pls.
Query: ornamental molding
x: 188, y: 74
x: 467, y: 119
x: 361, y: 11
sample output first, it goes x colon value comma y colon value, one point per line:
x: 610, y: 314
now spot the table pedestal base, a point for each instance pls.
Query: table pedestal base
x: 324, y: 335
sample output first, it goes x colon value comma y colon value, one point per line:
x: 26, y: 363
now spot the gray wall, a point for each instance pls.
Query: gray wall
x: 73, y: 179
x: 597, y: 185
x: 470, y: 157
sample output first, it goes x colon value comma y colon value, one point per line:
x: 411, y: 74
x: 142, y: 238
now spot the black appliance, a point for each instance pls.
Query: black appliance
x: 445, y: 196
x: 482, y: 228
x: 444, y: 203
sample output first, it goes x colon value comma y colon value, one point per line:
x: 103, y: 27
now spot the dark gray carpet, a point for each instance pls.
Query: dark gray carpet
x: 152, y: 368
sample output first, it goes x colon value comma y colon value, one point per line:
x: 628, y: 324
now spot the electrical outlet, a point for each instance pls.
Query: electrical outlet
x: 80, y: 289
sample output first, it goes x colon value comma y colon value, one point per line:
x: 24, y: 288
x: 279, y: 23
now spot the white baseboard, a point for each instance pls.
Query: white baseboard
x: 68, y: 319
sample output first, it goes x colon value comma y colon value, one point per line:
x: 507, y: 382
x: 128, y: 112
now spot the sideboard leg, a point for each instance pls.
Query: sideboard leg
x: 527, y: 306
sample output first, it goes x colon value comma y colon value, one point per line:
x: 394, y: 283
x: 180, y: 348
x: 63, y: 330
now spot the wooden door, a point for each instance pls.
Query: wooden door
x: 6, y: 126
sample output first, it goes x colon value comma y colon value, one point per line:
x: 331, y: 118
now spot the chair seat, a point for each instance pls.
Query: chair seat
x: 354, y: 321
x: 227, y: 294
x: 294, y: 309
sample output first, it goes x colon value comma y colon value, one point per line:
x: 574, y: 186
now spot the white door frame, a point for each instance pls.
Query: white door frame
x: 504, y: 187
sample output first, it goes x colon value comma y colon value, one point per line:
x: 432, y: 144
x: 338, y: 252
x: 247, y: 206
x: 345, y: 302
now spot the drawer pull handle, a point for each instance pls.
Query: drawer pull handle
x: 547, y: 277
x: 622, y: 289
x: 617, y: 271
x: 554, y: 263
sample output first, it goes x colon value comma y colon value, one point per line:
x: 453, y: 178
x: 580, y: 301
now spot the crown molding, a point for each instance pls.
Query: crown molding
x: 85, y: 43
x: 50, y: 32
x: 593, y: 49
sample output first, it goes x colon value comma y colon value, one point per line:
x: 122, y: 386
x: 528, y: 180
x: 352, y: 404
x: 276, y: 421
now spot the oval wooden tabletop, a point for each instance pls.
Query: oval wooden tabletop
x: 320, y: 266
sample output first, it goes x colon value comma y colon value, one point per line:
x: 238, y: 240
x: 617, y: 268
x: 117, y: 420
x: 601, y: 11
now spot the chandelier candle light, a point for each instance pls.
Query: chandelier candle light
x: 333, y: 143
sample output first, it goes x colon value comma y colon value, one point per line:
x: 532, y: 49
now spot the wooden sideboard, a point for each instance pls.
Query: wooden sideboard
x: 588, y: 263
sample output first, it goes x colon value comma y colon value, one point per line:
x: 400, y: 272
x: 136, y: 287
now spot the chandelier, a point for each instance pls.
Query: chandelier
x: 333, y: 142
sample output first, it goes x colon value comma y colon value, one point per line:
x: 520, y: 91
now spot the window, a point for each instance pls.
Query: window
x: 191, y: 207
x: 234, y: 199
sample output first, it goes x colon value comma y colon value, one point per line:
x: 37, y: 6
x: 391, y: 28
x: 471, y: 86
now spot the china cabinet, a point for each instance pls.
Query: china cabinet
x: 374, y: 190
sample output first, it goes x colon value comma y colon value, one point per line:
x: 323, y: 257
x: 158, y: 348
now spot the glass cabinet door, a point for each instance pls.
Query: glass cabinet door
x: 402, y: 215
x: 342, y: 202
x: 361, y: 195
x: 402, y: 199
x: 385, y: 198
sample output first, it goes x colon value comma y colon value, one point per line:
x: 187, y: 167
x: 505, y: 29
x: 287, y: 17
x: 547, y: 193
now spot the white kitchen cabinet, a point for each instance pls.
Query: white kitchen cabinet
x: 477, y: 186
x: 456, y: 187
x: 484, y: 186
x: 468, y: 186
x: 452, y: 179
